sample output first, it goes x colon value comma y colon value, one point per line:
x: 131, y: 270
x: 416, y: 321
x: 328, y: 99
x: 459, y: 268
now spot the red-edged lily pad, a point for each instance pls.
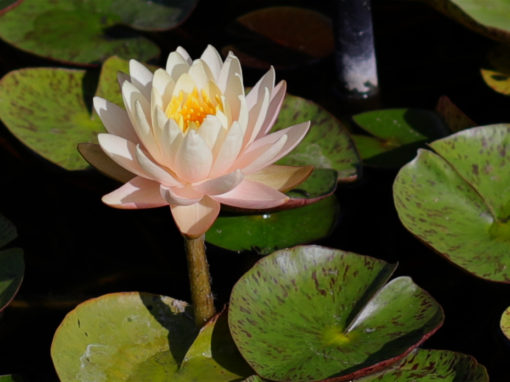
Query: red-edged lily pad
x: 457, y: 199
x: 12, y: 266
x: 143, y: 337
x: 310, y: 313
x: 432, y: 366
x: 282, y: 36
x: 487, y: 17
x: 395, y: 134
x: 82, y: 32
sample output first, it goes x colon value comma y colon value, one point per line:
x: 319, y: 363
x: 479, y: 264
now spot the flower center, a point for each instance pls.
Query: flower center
x: 190, y: 109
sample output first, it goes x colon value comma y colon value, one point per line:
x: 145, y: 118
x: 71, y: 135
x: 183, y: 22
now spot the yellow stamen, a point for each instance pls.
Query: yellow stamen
x: 190, y: 109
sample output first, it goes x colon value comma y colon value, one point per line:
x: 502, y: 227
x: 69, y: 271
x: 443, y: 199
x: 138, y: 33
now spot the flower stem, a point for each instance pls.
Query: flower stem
x: 200, y: 280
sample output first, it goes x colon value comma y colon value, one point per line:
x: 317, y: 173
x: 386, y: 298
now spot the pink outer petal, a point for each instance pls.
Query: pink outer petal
x: 194, y: 220
x: 137, y: 193
x: 277, y: 97
x: 180, y: 196
x: 252, y: 195
x: 282, y: 178
x: 115, y: 119
x: 294, y: 135
x: 221, y: 184
x: 266, y: 81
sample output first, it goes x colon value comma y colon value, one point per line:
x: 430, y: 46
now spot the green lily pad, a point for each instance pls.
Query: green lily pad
x: 12, y: 268
x: 457, y: 200
x: 266, y: 232
x: 143, y: 337
x: 496, y: 73
x: 310, y: 313
x: 432, y: 366
x: 487, y: 17
x: 10, y: 378
x: 505, y: 323
x: 283, y: 36
x: 81, y: 32
x: 395, y: 134
x: 321, y: 183
x: 327, y: 144
x: 7, y: 231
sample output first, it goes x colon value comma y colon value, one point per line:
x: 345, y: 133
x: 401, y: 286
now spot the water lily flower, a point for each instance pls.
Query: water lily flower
x: 194, y: 140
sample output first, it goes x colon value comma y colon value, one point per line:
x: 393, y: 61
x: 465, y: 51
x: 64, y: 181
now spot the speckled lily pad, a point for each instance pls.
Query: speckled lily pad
x: 457, y: 199
x: 487, y: 17
x: 395, y: 134
x: 49, y: 109
x: 81, y: 32
x: 310, y: 313
x: 432, y: 366
x: 143, y: 337
x: 327, y: 144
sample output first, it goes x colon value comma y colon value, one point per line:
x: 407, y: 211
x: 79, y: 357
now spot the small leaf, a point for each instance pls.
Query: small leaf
x: 395, y: 134
x: 327, y: 144
x: 82, y: 32
x: 457, y: 200
x: 142, y: 337
x: 265, y: 232
x: 496, y: 74
x: 430, y: 366
x: 310, y: 313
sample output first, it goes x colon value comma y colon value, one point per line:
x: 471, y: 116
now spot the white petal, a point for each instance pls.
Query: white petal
x: 213, y: 60
x: 194, y: 158
x: 253, y: 195
x: 122, y: 77
x: 185, y: 83
x: 180, y: 197
x: 122, y: 151
x: 155, y: 171
x: 176, y: 65
x: 144, y: 131
x: 184, y: 54
x: 196, y: 219
x: 130, y: 95
x: 141, y: 77
x: 137, y: 193
x: 257, y: 92
x: 230, y: 149
x: 115, y: 119
x: 201, y: 74
x: 209, y: 130
x: 221, y: 184
x: 164, y: 84
x: 230, y: 83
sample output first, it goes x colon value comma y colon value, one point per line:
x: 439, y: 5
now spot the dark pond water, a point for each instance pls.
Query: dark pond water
x: 77, y: 248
